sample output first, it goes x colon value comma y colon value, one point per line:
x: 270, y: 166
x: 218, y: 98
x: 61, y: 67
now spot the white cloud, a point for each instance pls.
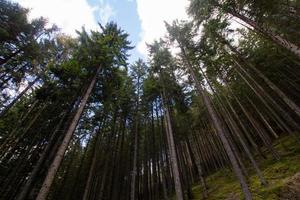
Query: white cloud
x: 69, y: 15
x: 153, y: 13
x: 106, y: 12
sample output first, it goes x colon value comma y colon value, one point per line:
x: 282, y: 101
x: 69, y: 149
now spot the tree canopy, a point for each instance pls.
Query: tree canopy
x: 77, y: 121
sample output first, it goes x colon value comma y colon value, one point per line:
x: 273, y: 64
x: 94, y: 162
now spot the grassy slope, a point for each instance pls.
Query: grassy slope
x: 223, y: 183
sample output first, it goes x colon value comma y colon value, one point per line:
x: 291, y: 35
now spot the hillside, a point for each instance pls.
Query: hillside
x: 283, y: 177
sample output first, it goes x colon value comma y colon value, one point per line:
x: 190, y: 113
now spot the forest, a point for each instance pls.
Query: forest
x: 213, y: 113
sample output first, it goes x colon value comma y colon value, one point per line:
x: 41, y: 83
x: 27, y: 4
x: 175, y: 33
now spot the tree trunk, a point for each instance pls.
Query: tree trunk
x: 18, y: 97
x: 294, y: 49
x: 135, y: 153
x: 5, y: 60
x: 93, y: 163
x: 172, y: 148
x: 279, y: 92
x: 199, y: 167
x: 62, y: 149
x: 220, y: 130
x: 30, y: 182
x: 236, y: 130
x: 263, y: 96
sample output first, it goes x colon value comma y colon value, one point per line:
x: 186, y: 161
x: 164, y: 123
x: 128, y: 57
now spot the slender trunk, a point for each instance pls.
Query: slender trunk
x: 279, y: 92
x: 108, y: 158
x: 11, y: 136
x: 119, y: 175
x: 62, y: 149
x: 18, y: 97
x: 186, y: 182
x: 153, y: 156
x: 172, y: 148
x: 135, y: 153
x: 160, y: 154
x: 220, y: 130
x: 13, y: 143
x: 23, y: 48
x: 5, y: 60
x: 145, y: 168
x: 267, y: 124
x: 199, y: 167
x: 246, y: 149
x: 263, y: 96
x: 93, y: 164
x: 236, y: 130
x: 294, y: 49
x: 30, y: 182
x: 265, y: 139
x: 242, y: 125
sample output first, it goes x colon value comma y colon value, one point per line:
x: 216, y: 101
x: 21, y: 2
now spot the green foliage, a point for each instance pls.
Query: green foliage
x: 126, y: 109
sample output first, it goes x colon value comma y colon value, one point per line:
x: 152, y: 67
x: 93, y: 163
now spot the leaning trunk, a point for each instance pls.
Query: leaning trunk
x: 18, y: 97
x: 278, y: 91
x: 220, y: 130
x: 62, y: 149
x: 294, y: 49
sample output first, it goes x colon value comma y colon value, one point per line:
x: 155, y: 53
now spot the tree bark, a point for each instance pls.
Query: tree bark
x: 18, y: 97
x: 279, y: 92
x: 33, y: 175
x: 135, y: 153
x: 172, y: 148
x: 93, y: 163
x: 62, y: 149
x: 220, y: 130
x: 294, y: 49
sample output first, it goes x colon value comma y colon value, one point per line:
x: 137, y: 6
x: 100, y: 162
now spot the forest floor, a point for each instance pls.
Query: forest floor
x: 283, y: 177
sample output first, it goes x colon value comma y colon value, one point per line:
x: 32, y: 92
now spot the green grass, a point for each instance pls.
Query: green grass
x: 223, y: 184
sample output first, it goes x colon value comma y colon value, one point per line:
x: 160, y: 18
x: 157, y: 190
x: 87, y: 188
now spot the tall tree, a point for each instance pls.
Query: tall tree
x: 203, y: 9
x: 212, y: 112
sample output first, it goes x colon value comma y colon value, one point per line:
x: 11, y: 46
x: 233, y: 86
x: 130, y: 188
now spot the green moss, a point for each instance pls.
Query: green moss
x: 223, y: 184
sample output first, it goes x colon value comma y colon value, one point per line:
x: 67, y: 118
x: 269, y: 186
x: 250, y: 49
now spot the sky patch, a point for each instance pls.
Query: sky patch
x: 143, y: 20
x: 153, y: 13
x: 69, y: 15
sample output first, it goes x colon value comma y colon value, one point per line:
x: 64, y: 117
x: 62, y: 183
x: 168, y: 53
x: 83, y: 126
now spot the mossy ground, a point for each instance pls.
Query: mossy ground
x: 223, y: 184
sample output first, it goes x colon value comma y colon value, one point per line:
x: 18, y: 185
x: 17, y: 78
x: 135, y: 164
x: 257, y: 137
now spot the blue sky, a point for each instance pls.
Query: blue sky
x: 142, y: 19
x: 124, y: 12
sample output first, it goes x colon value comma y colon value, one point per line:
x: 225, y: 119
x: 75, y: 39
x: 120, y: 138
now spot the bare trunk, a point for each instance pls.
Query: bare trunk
x: 93, y: 164
x: 279, y: 92
x: 294, y: 49
x: 62, y: 149
x: 18, y: 97
x: 246, y: 148
x: 199, y: 168
x: 172, y: 148
x: 134, y: 170
x: 30, y: 182
x: 220, y: 130
x: 262, y: 95
x: 135, y: 153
